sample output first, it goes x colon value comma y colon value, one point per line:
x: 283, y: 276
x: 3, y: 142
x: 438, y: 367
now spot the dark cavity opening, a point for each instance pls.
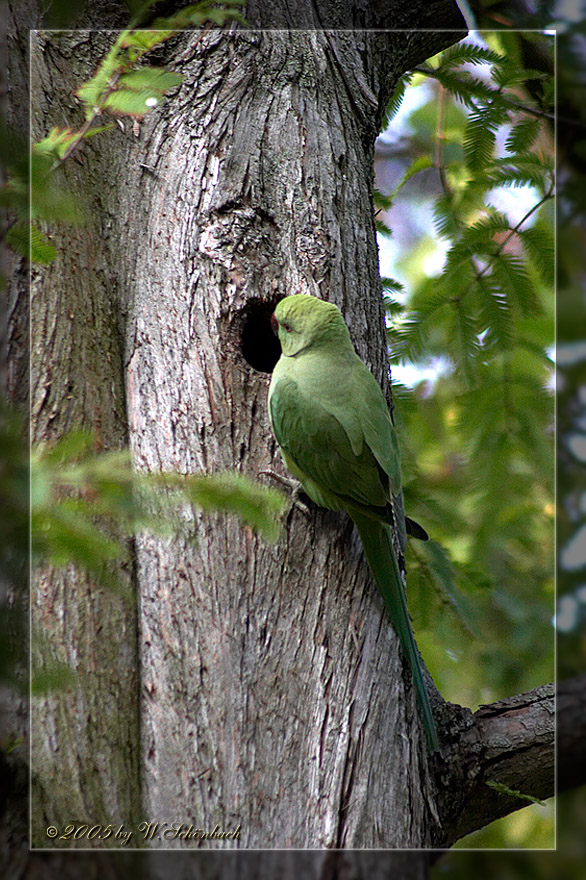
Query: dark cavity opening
x: 259, y: 345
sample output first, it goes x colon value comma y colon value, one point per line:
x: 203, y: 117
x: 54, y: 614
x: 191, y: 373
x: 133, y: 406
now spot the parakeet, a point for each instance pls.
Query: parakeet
x: 336, y: 436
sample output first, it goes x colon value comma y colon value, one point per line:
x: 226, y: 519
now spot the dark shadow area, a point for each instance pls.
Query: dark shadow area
x: 260, y: 347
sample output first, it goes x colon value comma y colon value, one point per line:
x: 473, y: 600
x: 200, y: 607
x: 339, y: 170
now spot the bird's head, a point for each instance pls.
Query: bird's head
x: 303, y: 322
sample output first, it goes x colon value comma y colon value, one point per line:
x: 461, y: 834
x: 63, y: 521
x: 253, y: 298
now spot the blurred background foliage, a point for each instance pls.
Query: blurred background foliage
x: 464, y: 181
x: 464, y: 178
x: 471, y: 335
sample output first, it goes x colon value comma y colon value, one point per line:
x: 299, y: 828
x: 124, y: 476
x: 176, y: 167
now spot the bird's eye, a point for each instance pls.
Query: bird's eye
x: 286, y: 328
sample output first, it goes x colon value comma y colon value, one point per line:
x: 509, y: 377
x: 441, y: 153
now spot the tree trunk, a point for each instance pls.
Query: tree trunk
x: 270, y: 689
x: 271, y: 683
x: 255, y: 688
x: 84, y: 742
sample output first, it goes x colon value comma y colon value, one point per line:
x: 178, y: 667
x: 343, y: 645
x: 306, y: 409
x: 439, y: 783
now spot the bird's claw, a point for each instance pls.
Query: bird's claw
x: 294, y: 487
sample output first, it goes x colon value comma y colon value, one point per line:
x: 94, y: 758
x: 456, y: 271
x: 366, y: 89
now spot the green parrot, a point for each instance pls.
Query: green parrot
x: 335, y: 433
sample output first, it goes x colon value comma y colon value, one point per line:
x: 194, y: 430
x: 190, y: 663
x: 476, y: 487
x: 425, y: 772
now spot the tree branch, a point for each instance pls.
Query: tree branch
x: 510, y: 743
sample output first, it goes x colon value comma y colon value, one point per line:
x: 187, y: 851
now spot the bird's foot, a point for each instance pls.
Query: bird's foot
x: 294, y: 487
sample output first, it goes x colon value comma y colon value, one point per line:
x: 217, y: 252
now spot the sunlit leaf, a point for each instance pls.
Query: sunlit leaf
x: 152, y: 79
x: 480, y: 135
x: 469, y: 53
x: 132, y: 103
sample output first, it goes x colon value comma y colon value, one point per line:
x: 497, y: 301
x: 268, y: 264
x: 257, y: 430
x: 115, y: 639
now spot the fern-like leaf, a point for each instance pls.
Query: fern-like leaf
x: 396, y: 100
x: 421, y: 163
x: 523, y: 135
x: 383, y: 229
x: 468, y: 53
x: 477, y: 240
x: 444, y: 216
x: 409, y: 338
x: 517, y: 174
x: 495, y: 315
x: 466, y: 88
x: 539, y: 247
x: 480, y: 135
x: 510, y: 273
x: 31, y: 243
x: 391, y: 284
x: 91, y: 93
x: 465, y: 332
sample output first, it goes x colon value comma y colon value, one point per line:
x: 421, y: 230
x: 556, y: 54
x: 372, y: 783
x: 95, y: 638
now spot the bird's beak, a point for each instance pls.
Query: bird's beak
x: 274, y: 324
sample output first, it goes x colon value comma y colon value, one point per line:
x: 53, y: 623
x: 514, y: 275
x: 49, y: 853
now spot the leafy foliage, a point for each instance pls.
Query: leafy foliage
x: 84, y: 506
x: 396, y: 100
x: 28, y: 241
x: 119, y: 87
x: 481, y: 430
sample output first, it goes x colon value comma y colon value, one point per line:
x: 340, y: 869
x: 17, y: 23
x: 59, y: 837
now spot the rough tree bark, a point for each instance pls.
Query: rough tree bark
x: 266, y: 683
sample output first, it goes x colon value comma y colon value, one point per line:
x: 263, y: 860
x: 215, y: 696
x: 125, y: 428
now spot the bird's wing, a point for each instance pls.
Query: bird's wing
x: 375, y: 419
x: 316, y: 441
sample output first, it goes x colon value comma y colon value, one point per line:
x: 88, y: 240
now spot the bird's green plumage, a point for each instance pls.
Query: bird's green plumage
x: 334, y: 429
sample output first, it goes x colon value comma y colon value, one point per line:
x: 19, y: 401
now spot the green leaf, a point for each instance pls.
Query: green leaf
x: 510, y: 274
x: 63, y: 537
x: 477, y: 239
x: 92, y: 92
x: 444, y: 216
x: 31, y: 243
x: 466, y: 88
x: 410, y: 338
x: 131, y: 103
x: 57, y: 141
x: 480, y: 135
x: 468, y: 53
x: 421, y: 163
x: 380, y: 201
x: 464, y: 333
x: 508, y: 75
x: 48, y: 200
x: 153, y: 79
x: 232, y: 492
x: 496, y: 315
x: 517, y: 174
x: 97, y: 129
x: 139, y: 42
x: 524, y: 169
x: 440, y: 570
x: 539, y: 246
x: 383, y: 229
x: 523, y: 135
x: 392, y: 284
x: 72, y: 447
x: 197, y: 14
x: 396, y: 100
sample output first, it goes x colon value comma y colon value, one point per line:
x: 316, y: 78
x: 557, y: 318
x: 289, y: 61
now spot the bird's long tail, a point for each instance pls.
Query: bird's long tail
x: 377, y: 543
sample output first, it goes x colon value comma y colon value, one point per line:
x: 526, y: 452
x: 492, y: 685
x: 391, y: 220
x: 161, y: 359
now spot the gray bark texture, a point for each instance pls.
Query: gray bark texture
x: 248, y: 686
x: 270, y: 689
